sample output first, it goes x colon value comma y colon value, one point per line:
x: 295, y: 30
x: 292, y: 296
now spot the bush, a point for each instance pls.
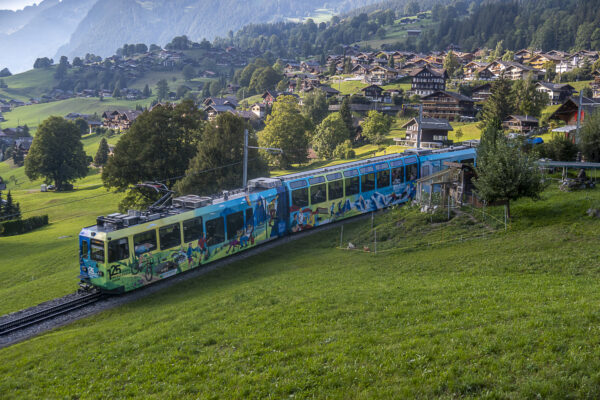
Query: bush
x: 344, y: 151
x: 18, y: 227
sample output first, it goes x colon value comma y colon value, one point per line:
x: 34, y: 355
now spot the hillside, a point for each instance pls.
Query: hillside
x: 509, y: 316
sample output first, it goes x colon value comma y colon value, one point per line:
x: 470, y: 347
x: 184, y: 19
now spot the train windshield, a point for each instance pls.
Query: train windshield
x: 97, y: 250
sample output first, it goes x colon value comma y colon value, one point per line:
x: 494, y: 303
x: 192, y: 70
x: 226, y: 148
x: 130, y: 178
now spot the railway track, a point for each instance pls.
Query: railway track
x: 47, y: 314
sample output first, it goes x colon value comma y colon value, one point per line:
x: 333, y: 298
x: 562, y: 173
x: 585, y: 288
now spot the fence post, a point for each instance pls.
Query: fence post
x: 375, y: 233
x: 341, y: 236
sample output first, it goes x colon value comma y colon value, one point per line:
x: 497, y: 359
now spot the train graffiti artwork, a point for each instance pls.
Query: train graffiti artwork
x: 123, y: 252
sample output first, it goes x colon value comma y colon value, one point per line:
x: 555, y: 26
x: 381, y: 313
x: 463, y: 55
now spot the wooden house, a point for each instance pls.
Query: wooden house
x: 520, y: 123
x: 426, y: 80
x: 434, y: 132
x: 482, y: 92
x: 119, y: 120
x: 373, y: 93
x: 557, y: 92
x: 448, y: 105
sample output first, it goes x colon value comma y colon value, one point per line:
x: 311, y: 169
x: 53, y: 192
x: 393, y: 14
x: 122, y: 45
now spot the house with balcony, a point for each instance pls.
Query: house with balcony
x: 426, y: 80
x: 557, y: 92
x: 522, y: 124
x: 434, y: 133
x: 448, y: 105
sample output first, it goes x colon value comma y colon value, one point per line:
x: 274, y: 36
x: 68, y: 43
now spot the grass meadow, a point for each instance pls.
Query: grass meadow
x: 513, y: 315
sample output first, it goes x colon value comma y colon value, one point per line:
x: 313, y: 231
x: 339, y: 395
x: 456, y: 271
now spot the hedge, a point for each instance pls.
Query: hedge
x: 20, y: 226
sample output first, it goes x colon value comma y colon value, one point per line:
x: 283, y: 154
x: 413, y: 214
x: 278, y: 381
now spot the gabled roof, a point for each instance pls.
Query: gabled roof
x: 430, y: 123
x: 556, y: 86
x: 457, y: 96
x: 379, y: 88
x: 434, y: 71
x: 524, y: 118
x: 218, y: 108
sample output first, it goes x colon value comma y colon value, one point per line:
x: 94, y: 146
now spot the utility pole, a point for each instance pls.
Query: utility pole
x: 579, y: 116
x: 420, y: 123
x: 245, y: 162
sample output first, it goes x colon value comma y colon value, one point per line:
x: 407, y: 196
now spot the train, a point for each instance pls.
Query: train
x: 124, y: 252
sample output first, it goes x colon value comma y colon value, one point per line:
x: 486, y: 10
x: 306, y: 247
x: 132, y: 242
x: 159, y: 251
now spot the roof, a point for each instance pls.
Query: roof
x: 218, y: 108
x: 556, y: 86
x: 457, y: 96
x: 431, y: 123
x: 434, y: 71
x: 524, y: 118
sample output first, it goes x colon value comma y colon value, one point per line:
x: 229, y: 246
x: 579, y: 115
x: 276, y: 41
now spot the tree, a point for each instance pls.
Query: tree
x: 77, y: 62
x: 188, y: 72
x: 102, y: 154
x: 315, y: 107
x: 505, y: 172
x: 499, y: 105
x: 155, y: 47
x: 499, y: 51
x: 412, y: 8
x: 346, y: 114
x: 4, y: 73
x: 376, y: 126
x: 9, y: 210
x: 56, y: 153
x: 527, y: 100
x: 222, y: 145
x: 82, y: 126
x: 286, y: 128
x: 550, y: 68
x: 162, y: 89
x: 264, y: 79
x: 509, y: 55
x: 330, y: 133
x: 451, y: 63
x: 459, y: 134
x: 560, y: 148
x: 141, y: 48
x: 157, y: 147
x: 590, y: 138
x: 181, y: 91
x: 146, y: 92
x: 43, y: 62
x: 215, y: 88
x: 117, y: 92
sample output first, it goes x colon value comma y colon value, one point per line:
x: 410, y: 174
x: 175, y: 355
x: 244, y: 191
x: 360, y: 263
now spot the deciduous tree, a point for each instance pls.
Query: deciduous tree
x: 330, y: 133
x: 376, y: 126
x: 162, y: 89
x: 286, y: 128
x: 590, y: 138
x: 315, y: 107
x: 56, y: 153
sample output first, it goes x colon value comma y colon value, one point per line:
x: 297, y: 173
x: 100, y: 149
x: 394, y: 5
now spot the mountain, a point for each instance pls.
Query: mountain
x: 76, y: 27
x: 40, y: 31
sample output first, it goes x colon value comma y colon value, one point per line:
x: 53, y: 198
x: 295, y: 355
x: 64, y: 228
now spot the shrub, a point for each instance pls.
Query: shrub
x: 18, y: 227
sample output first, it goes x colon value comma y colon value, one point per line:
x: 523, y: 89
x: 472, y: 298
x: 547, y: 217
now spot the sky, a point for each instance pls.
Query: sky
x: 17, y: 4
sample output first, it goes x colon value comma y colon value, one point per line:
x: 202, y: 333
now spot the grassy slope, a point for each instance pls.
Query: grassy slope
x: 396, y: 32
x: 43, y: 264
x: 32, y: 83
x: 511, y: 316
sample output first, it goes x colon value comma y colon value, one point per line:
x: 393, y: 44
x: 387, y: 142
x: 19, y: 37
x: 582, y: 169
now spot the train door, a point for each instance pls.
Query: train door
x: 84, y: 256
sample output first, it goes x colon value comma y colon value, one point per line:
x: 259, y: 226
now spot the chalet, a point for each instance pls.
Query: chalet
x: 520, y: 123
x: 481, y: 93
x: 557, y: 93
x: 472, y: 69
x: 360, y: 69
x: 434, y: 132
x: 382, y: 74
x: 538, y: 61
x: 292, y: 67
x: 373, y: 93
x: 214, y: 110
x: 270, y: 96
x: 449, y: 105
x: 523, y: 55
x: 516, y: 71
x: 259, y: 109
x: 427, y: 80
x: 119, y: 120
x: 329, y: 91
x: 567, y: 113
x: 230, y: 102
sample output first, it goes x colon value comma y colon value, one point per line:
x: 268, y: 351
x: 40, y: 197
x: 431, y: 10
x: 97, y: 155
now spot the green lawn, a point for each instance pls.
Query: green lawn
x: 397, y: 32
x: 510, y: 316
x: 26, y: 85
x: 35, y: 114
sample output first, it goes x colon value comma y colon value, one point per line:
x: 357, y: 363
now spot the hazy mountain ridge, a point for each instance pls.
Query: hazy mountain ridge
x: 76, y: 27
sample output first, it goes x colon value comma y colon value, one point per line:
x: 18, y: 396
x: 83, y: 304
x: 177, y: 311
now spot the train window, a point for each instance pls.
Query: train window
x: 300, y: 197
x: 298, y: 184
x: 118, y: 250
x: 412, y: 172
x: 398, y: 175
x: 84, y: 249
x: 468, y: 161
x: 318, y: 179
x: 215, y: 231
x: 318, y: 193
x: 235, y: 224
x: 192, y: 229
x: 352, y: 186
x: 335, y: 190
x: 144, y: 242
x: 97, y: 250
x: 367, y: 182
x: 383, y: 179
x: 351, y: 172
x: 333, y: 177
x: 249, y: 216
x: 170, y: 236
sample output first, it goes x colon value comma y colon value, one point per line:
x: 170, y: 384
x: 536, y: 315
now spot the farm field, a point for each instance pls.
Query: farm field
x: 510, y: 316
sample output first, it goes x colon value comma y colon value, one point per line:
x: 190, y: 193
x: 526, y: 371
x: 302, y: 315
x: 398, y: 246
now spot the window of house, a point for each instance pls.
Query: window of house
x: 300, y: 197
x: 318, y: 193
x: 335, y: 189
x: 192, y: 229
x: 97, y: 250
x: 144, y: 242
x: 215, y: 231
x: 367, y: 182
x: 118, y: 250
x: 235, y: 223
x: 383, y: 179
x: 170, y: 236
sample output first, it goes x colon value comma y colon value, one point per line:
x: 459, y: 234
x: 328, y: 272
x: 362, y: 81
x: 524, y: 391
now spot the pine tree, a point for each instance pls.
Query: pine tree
x: 147, y: 92
x: 346, y: 114
x: 102, y: 154
x: 499, y: 105
x: 11, y: 210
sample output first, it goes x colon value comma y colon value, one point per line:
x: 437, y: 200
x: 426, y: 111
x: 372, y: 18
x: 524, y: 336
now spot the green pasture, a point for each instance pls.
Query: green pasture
x: 32, y: 83
x: 35, y: 114
x: 513, y: 315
